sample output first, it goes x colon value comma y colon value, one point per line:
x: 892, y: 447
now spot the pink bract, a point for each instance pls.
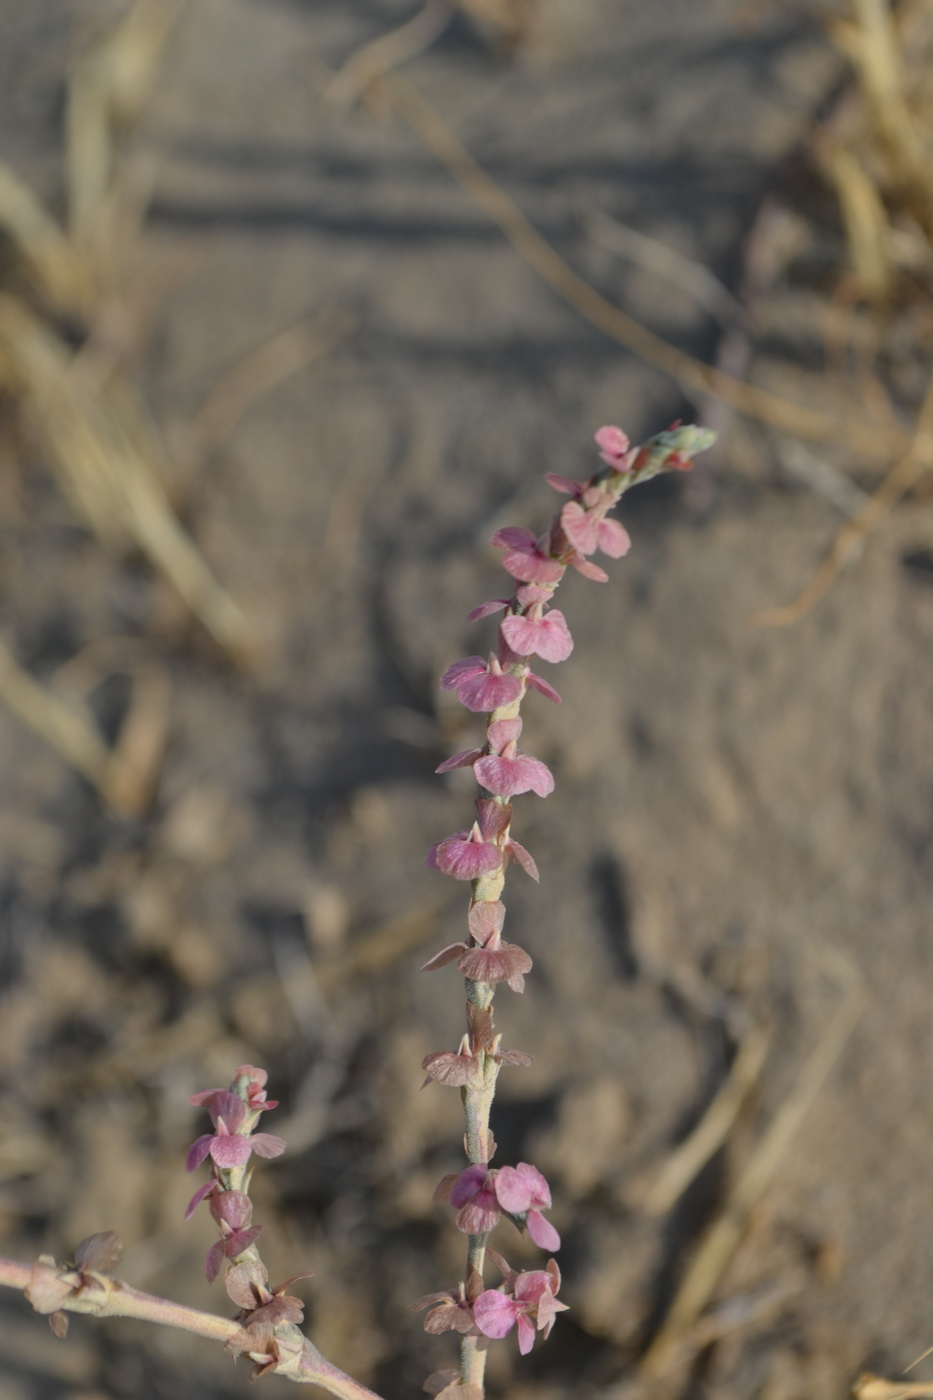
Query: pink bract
x: 507, y: 777
x: 463, y: 858
x: 495, y: 1314
x: 548, y: 636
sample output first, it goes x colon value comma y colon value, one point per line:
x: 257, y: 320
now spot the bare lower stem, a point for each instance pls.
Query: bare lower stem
x: 106, y: 1297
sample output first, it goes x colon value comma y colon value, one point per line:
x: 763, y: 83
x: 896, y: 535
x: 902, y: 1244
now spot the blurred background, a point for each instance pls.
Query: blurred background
x: 270, y: 376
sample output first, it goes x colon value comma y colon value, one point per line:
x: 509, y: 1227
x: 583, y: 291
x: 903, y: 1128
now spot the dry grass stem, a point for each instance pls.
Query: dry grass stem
x: 917, y: 460
x: 721, y: 1240
x: 96, y: 452
x: 389, y: 51
x: 680, y: 271
x: 381, y: 947
x: 871, y: 45
x: 67, y: 730
x: 822, y: 478
x: 262, y: 369
x: 50, y: 259
x: 109, y: 89
x: 690, y: 1157
x: 869, y: 1387
x: 864, y: 439
x: 865, y: 220
x: 125, y: 776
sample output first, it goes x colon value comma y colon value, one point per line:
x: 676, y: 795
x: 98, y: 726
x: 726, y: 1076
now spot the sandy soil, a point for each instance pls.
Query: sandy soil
x: 734, y: 807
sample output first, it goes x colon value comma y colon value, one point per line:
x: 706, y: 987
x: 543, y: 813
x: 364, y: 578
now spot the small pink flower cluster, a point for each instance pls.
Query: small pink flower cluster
x: 480, y: 1196
x: 526, y: 1299
x: 234, y: 1113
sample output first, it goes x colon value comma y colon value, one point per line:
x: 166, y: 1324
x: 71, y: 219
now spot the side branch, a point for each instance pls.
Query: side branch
x: 95, y: 1293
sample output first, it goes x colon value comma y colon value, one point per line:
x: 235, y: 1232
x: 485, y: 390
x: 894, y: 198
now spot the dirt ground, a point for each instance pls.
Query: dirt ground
x: 735, y: 810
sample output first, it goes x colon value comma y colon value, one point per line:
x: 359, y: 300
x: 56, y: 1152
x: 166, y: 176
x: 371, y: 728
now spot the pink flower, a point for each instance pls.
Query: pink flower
x: 481, y: 687
x: 480, y: 1196
x: 587, y: 531
x: 226, y: 1145
x: 465, y: 855
x: 547, y: 636
x: 524, y: 1193
x: 524, y: 556
x: 614, y: 448
x: 490, y: 960
x: 526, y: 1300
x: 508, y: 774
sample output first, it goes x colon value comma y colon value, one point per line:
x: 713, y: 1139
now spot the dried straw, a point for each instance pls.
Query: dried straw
x: 724, y: 1236
x: 916, y: 461
x: 97, y: 447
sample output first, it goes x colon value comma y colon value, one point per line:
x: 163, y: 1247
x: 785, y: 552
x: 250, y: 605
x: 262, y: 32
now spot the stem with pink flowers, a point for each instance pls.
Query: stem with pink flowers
x: 496, y: 688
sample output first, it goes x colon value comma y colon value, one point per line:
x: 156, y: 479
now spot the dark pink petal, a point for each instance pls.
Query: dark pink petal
x: 468, y: 1184
x: 493, y: 816
x: 514, y: 1057
x: 542, y: 687
x: 200, y: 1194
x: 507, y: 777
x: 461, y: 671
x: 548, y: 637
x: 526, y: 1334
x: 579, y: 527
x: 445, y: 956
x: 524, y: 858
x: 480, y: 1215
x: 463, y: 859
x: 240, y: 1241
x: 507, y: 657
x: 198, y: 1151
x: 564, y: 484
x: 513, y: 537
x: 267, y: 1144
x: 485, y: 609
x: 233, y: 1207
x: 465, y: 759
x: 531, y: 566
x: 502, y: 732
x: 487, y: 692
x: 588, y: 569
x: 613, y: 538
x: 485, y: 920
x: 229, y: 1107
x: 513, y: 1190
x: 503, y: 964
x: 495, y: 1314
x: 230, y: 1151
x: 542, y: 1231
x: 205, y: 1098
x: 444, y: 1067
x: 215, y: 1257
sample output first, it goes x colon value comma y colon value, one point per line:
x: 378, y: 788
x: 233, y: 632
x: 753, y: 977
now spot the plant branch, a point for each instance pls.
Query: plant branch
x: 102, y: 1296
